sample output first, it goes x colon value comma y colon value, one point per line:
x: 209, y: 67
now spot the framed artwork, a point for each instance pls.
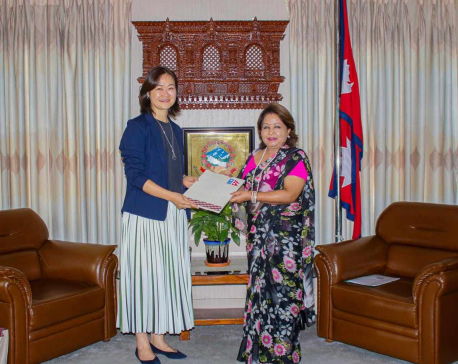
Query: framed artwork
x: 217, y: 149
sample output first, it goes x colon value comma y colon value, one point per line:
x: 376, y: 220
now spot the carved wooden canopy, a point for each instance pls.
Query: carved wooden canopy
x: 219, y: 64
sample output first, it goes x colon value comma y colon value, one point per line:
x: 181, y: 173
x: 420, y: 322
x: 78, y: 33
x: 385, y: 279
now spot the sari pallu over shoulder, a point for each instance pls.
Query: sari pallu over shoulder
x: 280, y: 241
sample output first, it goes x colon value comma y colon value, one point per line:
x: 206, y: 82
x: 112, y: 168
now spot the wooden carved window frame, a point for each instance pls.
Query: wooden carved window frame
x: 234, y: 85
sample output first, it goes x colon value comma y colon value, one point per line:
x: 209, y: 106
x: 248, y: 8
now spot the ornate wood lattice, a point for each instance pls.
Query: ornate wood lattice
x: 219, y: 64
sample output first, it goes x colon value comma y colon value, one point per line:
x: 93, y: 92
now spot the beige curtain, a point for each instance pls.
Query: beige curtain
x: 406, y: 55
x: 65, y: 91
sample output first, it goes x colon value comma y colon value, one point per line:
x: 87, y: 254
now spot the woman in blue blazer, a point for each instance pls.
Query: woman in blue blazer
x: 155, y: 286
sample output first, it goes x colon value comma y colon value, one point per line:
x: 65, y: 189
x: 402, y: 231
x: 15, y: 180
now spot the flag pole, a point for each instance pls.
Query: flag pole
x: 337, y: 159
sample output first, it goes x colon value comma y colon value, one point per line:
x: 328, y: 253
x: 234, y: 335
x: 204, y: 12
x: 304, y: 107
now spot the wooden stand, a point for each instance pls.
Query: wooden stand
x: 203, y: 317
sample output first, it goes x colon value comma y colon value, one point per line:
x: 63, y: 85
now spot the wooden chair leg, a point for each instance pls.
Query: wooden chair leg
x: 185, y: 335
x: 329, y: 341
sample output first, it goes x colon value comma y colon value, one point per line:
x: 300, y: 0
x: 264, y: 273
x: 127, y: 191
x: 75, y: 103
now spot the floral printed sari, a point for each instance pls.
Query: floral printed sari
x: 280, y: 239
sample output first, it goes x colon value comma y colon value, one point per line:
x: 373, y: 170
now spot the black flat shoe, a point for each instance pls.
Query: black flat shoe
x: 169, y: 354
x: 154, y: 361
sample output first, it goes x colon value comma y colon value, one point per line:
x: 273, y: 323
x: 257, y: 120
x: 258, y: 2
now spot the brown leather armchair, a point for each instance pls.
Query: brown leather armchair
x: 55, y: 296
x: 414, y: 318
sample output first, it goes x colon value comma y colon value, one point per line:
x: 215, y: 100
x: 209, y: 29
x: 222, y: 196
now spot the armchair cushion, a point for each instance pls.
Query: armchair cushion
x: 390, y: 302
x: 86, y: 264
x: 58, y: 301
x: 21, y: 229
x: 419, y: 224
x: 27, y: 261
x: 407, y: 261
x: 351, y: 259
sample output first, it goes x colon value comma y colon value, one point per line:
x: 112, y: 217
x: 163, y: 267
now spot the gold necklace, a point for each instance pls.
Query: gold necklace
x: 174, y: 157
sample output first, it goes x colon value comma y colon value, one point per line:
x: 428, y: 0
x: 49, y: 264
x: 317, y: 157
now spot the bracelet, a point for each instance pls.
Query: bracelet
x: 254, y: 196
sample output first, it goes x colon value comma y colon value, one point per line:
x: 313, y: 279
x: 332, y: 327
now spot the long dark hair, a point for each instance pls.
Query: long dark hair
x: 285, y: 116
x: 151, y: 81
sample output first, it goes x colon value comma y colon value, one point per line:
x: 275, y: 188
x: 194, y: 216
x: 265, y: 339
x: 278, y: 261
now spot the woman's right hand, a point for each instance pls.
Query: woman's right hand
x: 240, y: 196
x: 182, y: 202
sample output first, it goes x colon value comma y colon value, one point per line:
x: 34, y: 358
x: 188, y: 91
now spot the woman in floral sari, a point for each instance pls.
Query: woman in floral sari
x: 276, y: 209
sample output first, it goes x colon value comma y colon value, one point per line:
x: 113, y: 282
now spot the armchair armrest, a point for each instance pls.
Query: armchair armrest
x: 447, y: 268
x: 16, y: 311
x: 9, y: 278
x: 80, y: 262
x: 354, y: 258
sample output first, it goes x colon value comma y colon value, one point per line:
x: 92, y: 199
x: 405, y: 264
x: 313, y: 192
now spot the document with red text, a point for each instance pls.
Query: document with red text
x: 213, y: 190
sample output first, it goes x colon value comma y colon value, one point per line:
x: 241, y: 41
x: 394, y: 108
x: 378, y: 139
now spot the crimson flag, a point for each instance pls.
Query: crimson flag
x: 351, y: 131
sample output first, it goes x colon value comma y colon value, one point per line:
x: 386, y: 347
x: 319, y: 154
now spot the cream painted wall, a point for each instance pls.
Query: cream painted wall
x: 218, y: 10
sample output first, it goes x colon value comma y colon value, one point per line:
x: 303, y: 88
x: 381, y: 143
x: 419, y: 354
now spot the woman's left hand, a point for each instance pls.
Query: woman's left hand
x: 188, y: 181
x: 241, y: 196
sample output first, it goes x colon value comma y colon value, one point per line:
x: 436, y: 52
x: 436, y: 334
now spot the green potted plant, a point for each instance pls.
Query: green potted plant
x: 218, y: 230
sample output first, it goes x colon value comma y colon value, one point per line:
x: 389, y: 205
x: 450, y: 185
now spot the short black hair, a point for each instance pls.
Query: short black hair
x: 151, y: 82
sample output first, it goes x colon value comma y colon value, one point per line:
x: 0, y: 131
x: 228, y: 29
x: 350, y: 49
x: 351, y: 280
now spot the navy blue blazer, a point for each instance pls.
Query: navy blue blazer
x: 143, y: 154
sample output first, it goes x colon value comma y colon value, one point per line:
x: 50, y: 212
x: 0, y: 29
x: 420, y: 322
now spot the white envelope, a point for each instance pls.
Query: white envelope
x: 373, y: 280
x: 213, y: 191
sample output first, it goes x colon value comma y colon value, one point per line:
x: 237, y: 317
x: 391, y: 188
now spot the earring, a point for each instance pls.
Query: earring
x: 147, y: 96
x: 289, y: 136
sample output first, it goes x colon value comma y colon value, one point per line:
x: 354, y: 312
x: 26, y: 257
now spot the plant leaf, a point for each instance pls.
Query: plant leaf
x: 197, y: 236
x: 223, y: 235
x: 235, y: 237
x: 213, y: 226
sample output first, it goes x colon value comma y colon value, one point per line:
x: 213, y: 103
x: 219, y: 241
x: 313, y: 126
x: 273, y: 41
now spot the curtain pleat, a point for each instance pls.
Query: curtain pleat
x: 65, y: 89
x: 407, y: 61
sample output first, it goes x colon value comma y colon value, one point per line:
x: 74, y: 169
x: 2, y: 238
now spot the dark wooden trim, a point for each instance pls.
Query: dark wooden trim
x: 232, y: 85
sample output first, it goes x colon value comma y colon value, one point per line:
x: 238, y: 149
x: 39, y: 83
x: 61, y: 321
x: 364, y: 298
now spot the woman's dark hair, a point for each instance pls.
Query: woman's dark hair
x: 285, y: 116
x: 151, y: 81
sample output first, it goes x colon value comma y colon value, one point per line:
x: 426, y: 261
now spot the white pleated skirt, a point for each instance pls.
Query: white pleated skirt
x: 155, y: 289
